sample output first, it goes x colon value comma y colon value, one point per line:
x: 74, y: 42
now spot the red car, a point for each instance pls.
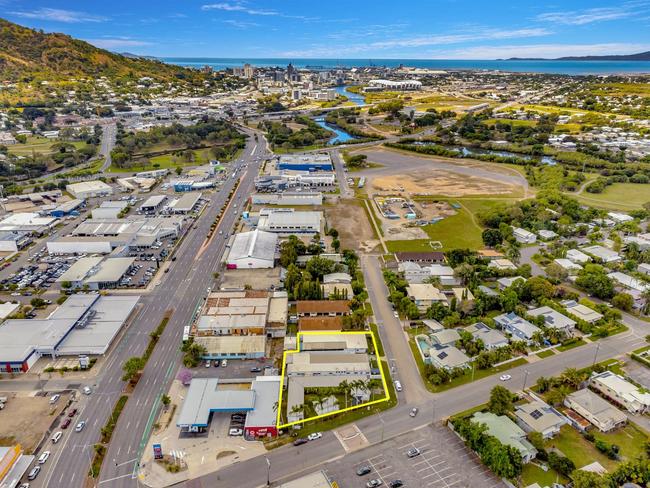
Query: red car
x: 65, y: 423
x: 72, y: 412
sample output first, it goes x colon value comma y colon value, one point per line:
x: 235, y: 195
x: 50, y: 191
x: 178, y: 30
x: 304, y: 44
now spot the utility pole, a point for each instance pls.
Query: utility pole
x: 525, y: 379
x: 268, y: 471
x: 596, y: 354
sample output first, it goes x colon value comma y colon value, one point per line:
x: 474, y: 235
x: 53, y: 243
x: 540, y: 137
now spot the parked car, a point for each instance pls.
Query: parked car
x: 34, y: 473
x: 363, y: 470
x: 44, y: 457
x: 57, y: 437
x: 398, y: 385
x: 395, y: 484
x: 256, y: 369
x: 411, y: 453
x: 235, y: 432
x: 505, y: 377
x: 54, y: 399
x: 314, y: 436
x: 72, y: 412
x: 65, y: 423
x: 413, y: 412
x: 373, y: 483
x: 87, y: 390
x: 300, y: 441
x: 207, y: 363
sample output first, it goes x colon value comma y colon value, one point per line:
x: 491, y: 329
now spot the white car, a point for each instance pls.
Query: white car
x: 44, y: 457
x: 87, y: 390
x: 314, y: 436
x: 396, y: 315
x: 398, y: 385
x: 80, y: 426
x: 57, y: 437
x: 235, y: 432
x: 505, y: 377
x: 54, y: 399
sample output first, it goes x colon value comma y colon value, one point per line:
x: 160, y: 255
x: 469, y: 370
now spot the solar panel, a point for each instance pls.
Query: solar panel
x: 442, y: 355
x: 536, y: 414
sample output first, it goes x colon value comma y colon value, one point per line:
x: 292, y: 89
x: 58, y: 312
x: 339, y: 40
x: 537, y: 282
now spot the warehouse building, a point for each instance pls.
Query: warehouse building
x: 27, y: 222
x: 89, y: 189
x: 252, y: 250
x: 153, y: 204
x: 14, y: 241
x: 109, y: 209
x: 71, y: 207
x: 185, y: 204
x: 287, y: 221
x: 97, y: 273
x: 288, y: 198
x: 233, y: 346
x: 305, y: 162
x: 85, y: 324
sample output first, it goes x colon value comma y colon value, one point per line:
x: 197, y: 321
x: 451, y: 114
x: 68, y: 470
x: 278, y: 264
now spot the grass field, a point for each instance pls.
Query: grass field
x: 38, y: 145
x: 166, y: 161
x: 619, y: 196
x: 533, y: 474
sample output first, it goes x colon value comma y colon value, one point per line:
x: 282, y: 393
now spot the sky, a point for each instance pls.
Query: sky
x: 352, y: 29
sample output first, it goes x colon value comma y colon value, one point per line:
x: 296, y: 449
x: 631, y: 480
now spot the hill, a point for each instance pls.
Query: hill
x: 33, y: 54
x: 645, y: 56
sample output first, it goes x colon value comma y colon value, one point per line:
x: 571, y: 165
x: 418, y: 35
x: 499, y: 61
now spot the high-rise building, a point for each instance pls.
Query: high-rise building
x: 249, y: 71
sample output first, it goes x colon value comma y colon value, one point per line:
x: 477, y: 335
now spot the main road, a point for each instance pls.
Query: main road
x: 180, y: 292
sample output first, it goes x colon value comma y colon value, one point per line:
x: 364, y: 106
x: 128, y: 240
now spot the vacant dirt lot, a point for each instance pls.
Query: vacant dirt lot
x: 403, y: 229
x: 350, y: 219
x: 26, y: 418
x: 429, y: 181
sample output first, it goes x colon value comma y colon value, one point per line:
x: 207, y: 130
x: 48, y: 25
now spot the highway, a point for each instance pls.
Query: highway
x: 181, y: 290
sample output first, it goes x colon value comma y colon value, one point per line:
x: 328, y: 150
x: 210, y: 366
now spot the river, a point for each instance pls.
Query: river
x: 465, y: 151
x: 340, y: 137
x: 353, y: 97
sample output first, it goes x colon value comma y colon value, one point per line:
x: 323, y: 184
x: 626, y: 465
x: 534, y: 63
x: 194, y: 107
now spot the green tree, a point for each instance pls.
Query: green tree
x: 623, y: 301
x: 501, y: 400
x: 166, y: 400
x: 588, y: 479
x: 492, y: 237
x: 132, y: 367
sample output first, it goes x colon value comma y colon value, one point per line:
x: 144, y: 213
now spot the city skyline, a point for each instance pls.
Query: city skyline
x: 447, y: 30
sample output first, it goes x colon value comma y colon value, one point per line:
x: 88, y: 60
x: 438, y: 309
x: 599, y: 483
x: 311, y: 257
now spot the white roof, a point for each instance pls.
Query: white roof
x: 567, y: 264
x: 628, y: 281
x: 8, y: 308
x: 553, y: 318
x: 581, y: 311
x: 622, y: 387
x: 254, y: 244
x: 88, y: 186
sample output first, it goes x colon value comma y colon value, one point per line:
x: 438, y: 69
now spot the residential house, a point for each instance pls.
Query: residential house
x: 464, y: 298
x: 487, y: 291
x: 597, y: 411
x: 603, y: 254
x: 520, y: 328
x: 490, y: 254
x: 577, y: 256
x: 433, y: 257
x: 546, y: 235
x: 537, y: 416
x: 644, y: 268
x: 433, y: 325
x: 322, y: 308
x: 581, y: 311
x: 568, y: 265
x: 621, y: 392
x: 508, y: 281
x: 507, y: 432
x: 491, y: 338
x: 448, y: 357
x: 502, y: 264
x: 445, y: 337
x: 424, y: 295
x: 554, y: 319
x: 523, y: 236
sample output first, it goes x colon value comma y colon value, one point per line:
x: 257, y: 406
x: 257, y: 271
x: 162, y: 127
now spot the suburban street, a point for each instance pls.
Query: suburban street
x: 181, y: 292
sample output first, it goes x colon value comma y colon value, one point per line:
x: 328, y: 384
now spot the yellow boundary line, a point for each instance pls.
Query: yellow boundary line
x: 279, y: 423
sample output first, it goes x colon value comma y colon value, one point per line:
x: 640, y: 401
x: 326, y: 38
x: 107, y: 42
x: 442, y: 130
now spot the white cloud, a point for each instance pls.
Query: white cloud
x: 59, y: 15
x: 632, y: 8
x: 239, y: 24
x: 117, y: 43
x: 416, y: 42
x: 539, y: 51
x: 237, y: 7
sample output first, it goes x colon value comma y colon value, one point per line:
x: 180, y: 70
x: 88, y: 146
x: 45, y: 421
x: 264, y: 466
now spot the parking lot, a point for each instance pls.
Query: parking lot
x: 444, y: 461
x: 236, y: 368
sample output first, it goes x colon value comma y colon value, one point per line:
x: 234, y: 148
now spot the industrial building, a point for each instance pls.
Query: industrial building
x: 27, y: 222
x: 287, y: 221
x: 233, y: 346
x: 84, y: 324
x: 14, y: 241
x: 297, y: 180
x: 185, y: 204
x: 205, y: 397
x: 71, y: 207
x: 109, y: 209
x: 252, y: 250
x: 153, y: 204
x: 97, y: 273
x: 89, y: 189
x: 381, y: 84
x: 305, y: 162
x: 288, y: 198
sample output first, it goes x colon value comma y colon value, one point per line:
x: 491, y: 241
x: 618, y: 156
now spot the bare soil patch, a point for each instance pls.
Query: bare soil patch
x: 349, y: 218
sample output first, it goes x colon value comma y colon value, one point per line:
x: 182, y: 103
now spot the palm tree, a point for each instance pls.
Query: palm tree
x: 572, y: 377
x: 646, y: 298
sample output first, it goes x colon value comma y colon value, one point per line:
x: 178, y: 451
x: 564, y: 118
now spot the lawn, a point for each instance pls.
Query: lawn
x: 619, y: 196
x: 545, y: 354
x: 571, y: 345
x: 166, y: 161
x: 533, y: 474
x: 447, y: 231
x: 39, y: 145
x: 582, y: 452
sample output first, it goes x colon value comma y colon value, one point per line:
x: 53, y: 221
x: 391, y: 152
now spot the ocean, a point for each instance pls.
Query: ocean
x: 520, y: 66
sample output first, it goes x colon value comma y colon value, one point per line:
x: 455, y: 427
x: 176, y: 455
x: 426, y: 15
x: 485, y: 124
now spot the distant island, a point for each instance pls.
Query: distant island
x: 645, y: 56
